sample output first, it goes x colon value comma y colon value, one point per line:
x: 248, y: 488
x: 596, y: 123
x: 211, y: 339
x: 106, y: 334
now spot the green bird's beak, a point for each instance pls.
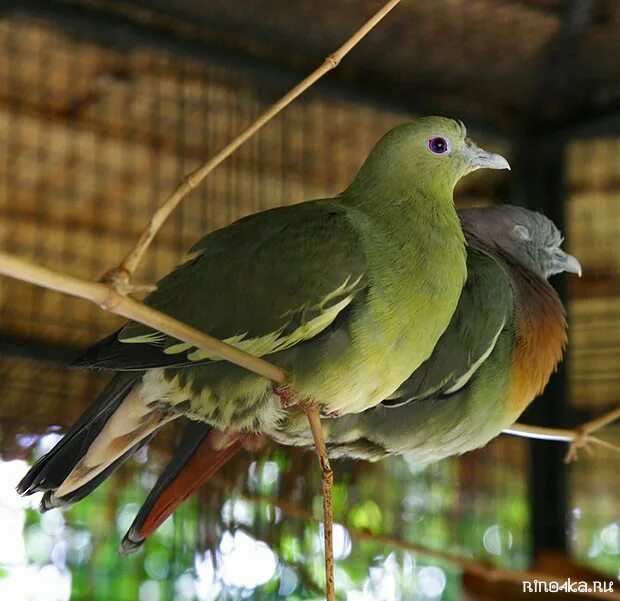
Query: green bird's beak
x: 479, y: 158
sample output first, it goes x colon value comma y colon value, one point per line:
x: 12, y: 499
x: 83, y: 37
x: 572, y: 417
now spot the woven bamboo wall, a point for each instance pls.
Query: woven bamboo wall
x: 92, y: 137
x: 594, y: 234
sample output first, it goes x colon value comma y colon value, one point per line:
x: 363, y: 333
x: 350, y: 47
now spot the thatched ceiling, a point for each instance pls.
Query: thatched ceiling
x: 503, y: 64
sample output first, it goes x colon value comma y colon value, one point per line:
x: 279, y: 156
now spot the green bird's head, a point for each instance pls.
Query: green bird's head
x: 526, y: 236
x: 431, y: 154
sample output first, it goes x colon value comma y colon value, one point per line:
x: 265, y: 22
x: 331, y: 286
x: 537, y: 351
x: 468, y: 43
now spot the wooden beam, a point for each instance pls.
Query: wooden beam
x: 539, y: 167
x: 595, y: 285
x: 12, y: 346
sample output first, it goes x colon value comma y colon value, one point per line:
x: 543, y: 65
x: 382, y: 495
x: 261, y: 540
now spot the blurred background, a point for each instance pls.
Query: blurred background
x: 105, y: 105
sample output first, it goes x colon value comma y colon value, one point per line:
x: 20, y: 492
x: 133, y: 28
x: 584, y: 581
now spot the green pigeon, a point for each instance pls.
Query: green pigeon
x: 346, y: 295
x: 504, y: 341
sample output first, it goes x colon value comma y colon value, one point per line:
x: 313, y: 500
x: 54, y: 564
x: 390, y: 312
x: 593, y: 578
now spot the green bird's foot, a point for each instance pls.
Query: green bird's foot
x: 287, y: 397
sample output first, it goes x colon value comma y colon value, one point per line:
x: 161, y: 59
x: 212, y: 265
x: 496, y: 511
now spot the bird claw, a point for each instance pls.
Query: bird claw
x: 581, y: 441
x: 333, y: 414
x: 287, y: 397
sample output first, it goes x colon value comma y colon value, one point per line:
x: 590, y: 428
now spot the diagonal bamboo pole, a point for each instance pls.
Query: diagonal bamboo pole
x: 120, y: 277
x: 117, y: 282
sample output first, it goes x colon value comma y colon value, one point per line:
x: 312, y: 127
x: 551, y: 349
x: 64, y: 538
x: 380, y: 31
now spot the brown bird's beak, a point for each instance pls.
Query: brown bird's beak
x: 562, y: 261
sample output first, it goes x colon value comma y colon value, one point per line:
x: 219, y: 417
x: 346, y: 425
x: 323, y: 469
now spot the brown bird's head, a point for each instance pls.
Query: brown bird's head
x: 526, y: 236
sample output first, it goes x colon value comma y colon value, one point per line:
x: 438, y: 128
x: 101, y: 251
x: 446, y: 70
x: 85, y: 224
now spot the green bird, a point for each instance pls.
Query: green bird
x: 347, y: 295
x: 504, y: 341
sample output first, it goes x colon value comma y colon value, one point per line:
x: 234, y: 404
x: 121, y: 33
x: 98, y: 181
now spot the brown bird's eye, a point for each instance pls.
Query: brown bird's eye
x: 438, y: 145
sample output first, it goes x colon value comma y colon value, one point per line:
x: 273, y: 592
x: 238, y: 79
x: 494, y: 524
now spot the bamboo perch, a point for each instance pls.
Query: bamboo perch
x: 109, y: 300
x: 579, y: 437
x: 564, y: 434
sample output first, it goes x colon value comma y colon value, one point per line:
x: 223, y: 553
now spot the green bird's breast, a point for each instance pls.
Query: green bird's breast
x: 416, y: 272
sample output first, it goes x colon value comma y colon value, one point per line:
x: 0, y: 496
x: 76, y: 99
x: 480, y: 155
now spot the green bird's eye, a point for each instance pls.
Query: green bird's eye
x: 438, y: 145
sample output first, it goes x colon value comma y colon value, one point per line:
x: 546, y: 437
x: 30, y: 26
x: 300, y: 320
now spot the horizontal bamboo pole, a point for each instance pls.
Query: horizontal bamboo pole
x: 110, y: 300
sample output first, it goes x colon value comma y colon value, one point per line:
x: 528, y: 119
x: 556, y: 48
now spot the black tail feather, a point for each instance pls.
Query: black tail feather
x: 52, y: 469
x: 50, y: 501
x: 113, y: 355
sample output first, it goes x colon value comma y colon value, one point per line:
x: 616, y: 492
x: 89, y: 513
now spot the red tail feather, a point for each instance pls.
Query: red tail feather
x: 205, y: 462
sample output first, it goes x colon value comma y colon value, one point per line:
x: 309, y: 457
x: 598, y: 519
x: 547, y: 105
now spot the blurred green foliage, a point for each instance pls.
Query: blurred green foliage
x: 234, y: 544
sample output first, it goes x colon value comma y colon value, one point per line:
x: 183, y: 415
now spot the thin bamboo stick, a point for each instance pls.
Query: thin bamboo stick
x: 120, y: 277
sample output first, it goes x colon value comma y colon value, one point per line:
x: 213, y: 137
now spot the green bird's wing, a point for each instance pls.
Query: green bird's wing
x: 262, y: 284
x: 485, y: 307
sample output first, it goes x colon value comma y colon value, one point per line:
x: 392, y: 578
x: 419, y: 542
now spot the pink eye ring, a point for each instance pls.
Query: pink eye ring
x: 438, y: 145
